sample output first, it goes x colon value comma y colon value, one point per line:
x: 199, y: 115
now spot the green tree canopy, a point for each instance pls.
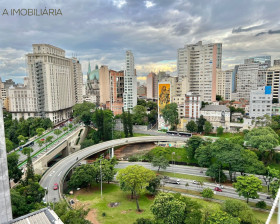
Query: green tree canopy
x: 200, y: 123
x: 207, y: 127
x: 135, y: 178
x: 191, y: 126
x: 9, y: 145
x: 161, y: 162
x: 83, y: 112
x: 27, y: 151
x: 220, y: 131
x: 139, y: 115
x: 14, y: 172
x: 220, y: 217
x: 170, y: 115
x: 57, y: 132
x: 83, y: 176
x: 192, y: 145
x: 248, y: 186
x: 40, y: 131
x: 207, y: 193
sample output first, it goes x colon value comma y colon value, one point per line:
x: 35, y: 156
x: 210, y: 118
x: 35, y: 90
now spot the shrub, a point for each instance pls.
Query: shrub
x: 143, y: 221
x: 103, y: 214
x: 261, y: 204
x: 133, y: 159
x: 207, y: 193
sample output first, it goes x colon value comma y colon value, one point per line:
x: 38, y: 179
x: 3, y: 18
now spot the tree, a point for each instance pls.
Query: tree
x: 9, y: 145
x: 215, y: 171
x: 71, y: 216
x: 153, y: 186
x: 264, y: 139
x: 130, y: 124
x: 49, y: 138
x: 139, y: 115
x: 220, y: 217
x: 248, y: 186
x: 270, y: 174
x: 219, y: 98
x: 192, y: 145
x: 57, y: 132
x: 125, y: 123
x: 27, y: 151
x: 160, y: 162
x: 200, y: 123
x: 86, y: 143
x: 70, y: 126
x: 29, y: 170
x: 40, y: 131
x: 14, y: 172
x: 83, y: 112
x: 207, y: 193
x: 191, y: 126
x: 167, y: 209
x: 152, y: 117
x: 40, y: 142
x: 170, y: 115
x: 203, y: 156
x: 65, y: 129
x: 207, y: 127
x: 108, y: 168
x: 135, y: 178
x: 83, y: 176
x: 220, y: 131
x: 22, y: 139
x: 19, y: 207
x: 239, y: 209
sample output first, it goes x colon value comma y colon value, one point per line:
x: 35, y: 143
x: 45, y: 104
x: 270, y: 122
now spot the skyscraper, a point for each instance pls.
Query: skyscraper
x: 5, y: 200
x: 130, y: 83
x: 54, y: 85
x: 224, y: 83
x: 152, y: 85
x: 199, y: 63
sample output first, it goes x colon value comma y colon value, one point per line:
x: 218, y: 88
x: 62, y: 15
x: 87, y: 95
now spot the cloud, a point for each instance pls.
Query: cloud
x: 268, y: 32
x: 240, y: 29
x: 149, y: 4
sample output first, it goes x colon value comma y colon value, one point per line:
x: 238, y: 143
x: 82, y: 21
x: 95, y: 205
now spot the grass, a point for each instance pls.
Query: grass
x: 126, y: 210
x: 185, y: 176
x: 226, y: 135
x: 120, y: 134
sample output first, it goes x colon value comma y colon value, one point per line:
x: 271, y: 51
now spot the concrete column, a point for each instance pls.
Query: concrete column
x: 5, y: 200
x: 112, y: 153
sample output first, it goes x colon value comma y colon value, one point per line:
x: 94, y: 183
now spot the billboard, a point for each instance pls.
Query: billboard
x: 164, y: 93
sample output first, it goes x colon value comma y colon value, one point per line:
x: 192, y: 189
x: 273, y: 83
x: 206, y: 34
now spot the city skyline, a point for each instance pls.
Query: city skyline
x: 154, y: 35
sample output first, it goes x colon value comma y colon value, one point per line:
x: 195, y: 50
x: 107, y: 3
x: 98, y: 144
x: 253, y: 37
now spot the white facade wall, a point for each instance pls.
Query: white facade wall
x: 260, y: 103
x: 130, y: 83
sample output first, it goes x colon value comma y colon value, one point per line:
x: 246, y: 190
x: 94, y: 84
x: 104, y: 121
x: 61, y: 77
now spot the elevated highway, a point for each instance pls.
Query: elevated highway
x: 58, y: 172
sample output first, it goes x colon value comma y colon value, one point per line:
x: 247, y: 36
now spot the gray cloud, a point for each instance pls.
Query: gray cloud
x: 240, y: 29
x: 268, y: 32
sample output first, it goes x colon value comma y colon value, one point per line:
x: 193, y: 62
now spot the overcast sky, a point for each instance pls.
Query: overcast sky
x: 100, y: 31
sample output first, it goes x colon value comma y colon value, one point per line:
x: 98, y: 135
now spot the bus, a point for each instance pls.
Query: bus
x: 185, y: 134
x: 29, y: 144
x: 172, y: 132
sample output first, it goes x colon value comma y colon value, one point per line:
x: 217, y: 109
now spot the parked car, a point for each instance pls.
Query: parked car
x: 44, y: 201
x: 217, y: 189
x: 55, y: 186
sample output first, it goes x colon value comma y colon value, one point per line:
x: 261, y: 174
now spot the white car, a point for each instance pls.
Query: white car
x: 195, y: 182
x: 220, y: 186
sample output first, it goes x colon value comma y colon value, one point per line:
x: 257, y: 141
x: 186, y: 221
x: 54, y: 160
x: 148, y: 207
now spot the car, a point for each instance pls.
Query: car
x: 195, y: 182
x: 55, y: 186
x: 220, y: 186
x: 170, y: 181
x: 217, y: 189
x: 44, y: 201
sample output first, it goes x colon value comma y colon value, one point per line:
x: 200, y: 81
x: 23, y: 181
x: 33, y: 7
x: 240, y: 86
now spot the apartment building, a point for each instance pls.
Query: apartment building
x: 198, y: 63
x: 152, y: 86
x: 224, y: 83
x: 272, y: 79
x: 104, y: 84
x: 51, y: 91
x: 260, y: 102
x: 116, y: 92
x: 130, y: 83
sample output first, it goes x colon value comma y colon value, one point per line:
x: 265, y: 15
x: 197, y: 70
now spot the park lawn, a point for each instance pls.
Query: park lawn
x: 180, y: 153
x: 126, y: 209
x: 226, y: 135
x: 185, y: 176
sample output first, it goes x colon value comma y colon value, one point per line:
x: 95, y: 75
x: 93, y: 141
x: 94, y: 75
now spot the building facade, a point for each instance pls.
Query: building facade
x: 260, y: 102
x: 116, y: 92
x: 198, y: 63
x: 130, y: 83
x: 5, y: 199
x: 51, y: 82
x: 272, y: 79
x: 104, y: 84
x: 224, y: 83
x: 152, y: 86
x: 92, y: 91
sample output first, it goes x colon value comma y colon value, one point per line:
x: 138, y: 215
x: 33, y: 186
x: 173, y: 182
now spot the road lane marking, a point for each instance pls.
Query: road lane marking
x: 52, y: 173
x: 59, y: 173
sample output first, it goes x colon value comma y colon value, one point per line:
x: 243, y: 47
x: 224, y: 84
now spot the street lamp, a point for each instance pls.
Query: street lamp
x: 101, y: 174
x: 173, y: 153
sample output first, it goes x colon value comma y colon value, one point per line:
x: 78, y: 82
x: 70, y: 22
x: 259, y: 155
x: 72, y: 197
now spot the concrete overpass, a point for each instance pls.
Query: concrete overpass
x: 58, y: 172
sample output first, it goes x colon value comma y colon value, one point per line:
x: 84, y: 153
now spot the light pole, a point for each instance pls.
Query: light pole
x: 53, y: 202
x: 173, y: 153
x: 101, y: 175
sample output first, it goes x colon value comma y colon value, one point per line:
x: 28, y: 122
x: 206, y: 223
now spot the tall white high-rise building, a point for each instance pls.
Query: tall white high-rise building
x: 130, y: 83
x: 199, y: 63
x: 54, y: 85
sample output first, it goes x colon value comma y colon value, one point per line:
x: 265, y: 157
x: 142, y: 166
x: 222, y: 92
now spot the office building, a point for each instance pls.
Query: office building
x: 276, y: 62
x: 78, y: 80
x: 142, y: 91
x: 264, y: 61
x: 272, y: 79
x: 198, y: 63
x: 152, y: 86
x: 260, y: 102
x: 50, y: 92
x: 5, y: 200
x: 116, y: 92
x: 224, y: 83
x: 130, y: 83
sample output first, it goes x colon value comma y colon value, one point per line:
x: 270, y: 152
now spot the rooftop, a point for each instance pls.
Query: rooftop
x: 215, y: 108
x: 42, y: 216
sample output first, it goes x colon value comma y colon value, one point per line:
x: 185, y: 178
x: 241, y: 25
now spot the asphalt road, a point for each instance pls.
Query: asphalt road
x: 56, y: 173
